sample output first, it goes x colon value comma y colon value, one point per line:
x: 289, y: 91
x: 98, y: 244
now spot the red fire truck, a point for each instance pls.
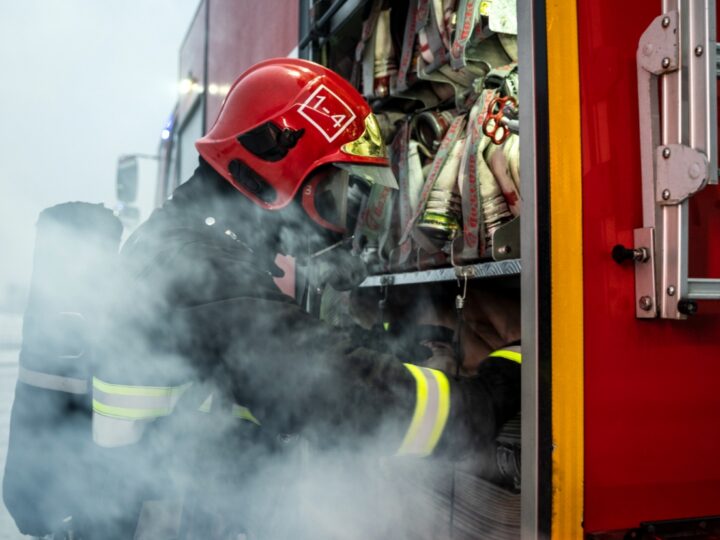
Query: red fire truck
x: 618, y: 273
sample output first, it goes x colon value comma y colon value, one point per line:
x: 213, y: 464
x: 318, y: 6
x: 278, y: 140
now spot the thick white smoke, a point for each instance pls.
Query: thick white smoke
x: 271, y: 482
x: 76, y: 107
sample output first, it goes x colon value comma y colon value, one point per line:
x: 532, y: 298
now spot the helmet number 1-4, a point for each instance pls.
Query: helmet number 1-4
x: 327, y: 113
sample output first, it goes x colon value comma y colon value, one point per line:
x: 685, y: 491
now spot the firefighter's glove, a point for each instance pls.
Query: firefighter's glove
x: 480, y: 406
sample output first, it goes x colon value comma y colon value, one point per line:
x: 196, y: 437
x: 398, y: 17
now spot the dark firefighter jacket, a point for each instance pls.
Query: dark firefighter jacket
x: 199, y: 314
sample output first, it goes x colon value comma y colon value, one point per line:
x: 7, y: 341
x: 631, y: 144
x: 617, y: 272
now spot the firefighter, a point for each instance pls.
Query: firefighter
x: 200, y: 326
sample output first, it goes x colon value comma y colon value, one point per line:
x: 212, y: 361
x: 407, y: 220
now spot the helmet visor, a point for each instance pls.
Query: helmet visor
x: 338, y: 198
x: 334, y: 198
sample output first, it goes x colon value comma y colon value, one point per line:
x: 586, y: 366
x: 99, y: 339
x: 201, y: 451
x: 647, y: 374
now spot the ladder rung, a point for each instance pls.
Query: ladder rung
x: 703, y: 289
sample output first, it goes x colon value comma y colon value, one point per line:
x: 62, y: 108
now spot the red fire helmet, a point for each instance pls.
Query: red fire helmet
x: 283, y: 119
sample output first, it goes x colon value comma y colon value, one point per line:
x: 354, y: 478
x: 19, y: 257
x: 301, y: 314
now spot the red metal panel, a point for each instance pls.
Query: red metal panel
x: 192, y: 62
x: 652, y: 443
x: 243, y: 32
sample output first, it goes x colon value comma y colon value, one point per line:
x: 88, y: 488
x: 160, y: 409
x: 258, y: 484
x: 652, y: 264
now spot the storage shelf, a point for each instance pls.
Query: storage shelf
x: 510, y: 267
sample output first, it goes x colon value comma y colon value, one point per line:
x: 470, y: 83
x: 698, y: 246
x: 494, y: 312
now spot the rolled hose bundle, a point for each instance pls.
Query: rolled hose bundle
x: 50, y: 428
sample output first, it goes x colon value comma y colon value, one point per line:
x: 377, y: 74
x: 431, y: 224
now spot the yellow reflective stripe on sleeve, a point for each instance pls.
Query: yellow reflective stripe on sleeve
x: 129, y: 412
x: 135, y: 402
x: 121, y: 412
x: 507, y: 355
x: 432, y: 406
x: 238, y: 411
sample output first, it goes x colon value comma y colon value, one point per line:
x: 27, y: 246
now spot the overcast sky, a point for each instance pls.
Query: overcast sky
x: 81, y: 82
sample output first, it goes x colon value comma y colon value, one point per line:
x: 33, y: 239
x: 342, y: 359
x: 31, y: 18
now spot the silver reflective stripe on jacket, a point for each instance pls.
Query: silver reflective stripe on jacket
x: 38, y: 379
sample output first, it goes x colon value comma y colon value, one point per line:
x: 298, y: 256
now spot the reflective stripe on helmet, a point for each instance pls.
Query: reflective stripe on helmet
x: 47, y: 381
x: 135, y: 402
x: 432, y: 406
x: 508, y: 353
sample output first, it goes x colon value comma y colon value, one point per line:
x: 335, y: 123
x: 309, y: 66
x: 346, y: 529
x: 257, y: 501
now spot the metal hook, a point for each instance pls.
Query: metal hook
x: 457, y: 337
x: 382, y: 303
x: 460, y: 300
